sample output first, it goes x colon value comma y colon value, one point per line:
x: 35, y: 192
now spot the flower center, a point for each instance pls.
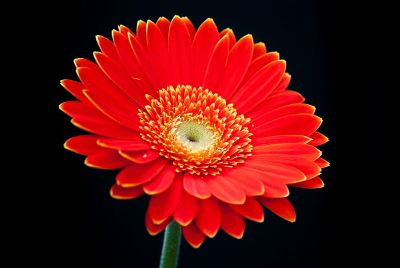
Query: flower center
x: 196, y: 130
x: 194, y: 136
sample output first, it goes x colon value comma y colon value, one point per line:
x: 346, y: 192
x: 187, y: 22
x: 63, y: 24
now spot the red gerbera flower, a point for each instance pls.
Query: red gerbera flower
x: 200, y: 121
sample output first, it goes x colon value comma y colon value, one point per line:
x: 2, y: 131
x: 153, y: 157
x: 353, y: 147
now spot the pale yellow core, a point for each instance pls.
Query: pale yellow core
x: 195, y: 136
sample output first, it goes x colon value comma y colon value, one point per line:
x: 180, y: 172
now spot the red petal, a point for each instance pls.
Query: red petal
x: 107, y: 47
x: 314, y: 183
x: 296, y: 124
x: 152, y: 228
x: 125, y: 31
x: 133, y: 67
x: 108, y: 98
x: 119, y: 76
x: 259, y: 49
x: 141, y: 32
x: 125, y: 145
x: 158, y: 54
x: 139, y: 174
x: 216, y: 64
x: 237, y: 64
x: 126, y: 116
x: 163, y: 25
x: 163, y: 205
x: 262, y: 119
x: 209, y: 217
x: 259, y: 63
x: 196, y: 186
x: 106, y: 160
x: 193, y: 235
x: 280, y: 139
x: 161, y: 182
x: 274, y: 172
x: 103, y: 127
x: 322, y: 162
x: 91, y: 120
x: 275, y: 189
x: 280, y: 206
x: 203, y: 44
x: 277, y: 100
x: 75, y: 88
x: 81, y: 63
x: 125, y: 53
x: 95, y: 80
x: 228, y: 32
x: 251, y: 210
x: 245, y: 181
x: 221, y: 187
x: 318, y: 139
x: 231, y: 222
x: 284, y: 83
x: 140, y: 157
x: 299, y: 149
x: 308, y: 167
x: 189, y: 27
x: 259, y: 86
x: 119, y: 192
x: 147, y: 69
x: 83, y: 144
x: 180, y: 55
x: 187, y: 209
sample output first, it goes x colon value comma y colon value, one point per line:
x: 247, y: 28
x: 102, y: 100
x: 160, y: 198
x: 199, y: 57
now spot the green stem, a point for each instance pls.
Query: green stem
x: 171, y: 245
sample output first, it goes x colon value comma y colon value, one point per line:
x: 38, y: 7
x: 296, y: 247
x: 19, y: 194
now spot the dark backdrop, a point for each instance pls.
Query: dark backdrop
x: 335, y: 54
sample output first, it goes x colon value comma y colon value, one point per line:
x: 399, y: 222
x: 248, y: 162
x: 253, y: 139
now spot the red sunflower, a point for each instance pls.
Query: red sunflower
x: 199, y: 121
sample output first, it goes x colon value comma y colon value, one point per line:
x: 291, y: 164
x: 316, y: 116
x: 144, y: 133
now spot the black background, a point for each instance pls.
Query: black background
x: 335, y: 53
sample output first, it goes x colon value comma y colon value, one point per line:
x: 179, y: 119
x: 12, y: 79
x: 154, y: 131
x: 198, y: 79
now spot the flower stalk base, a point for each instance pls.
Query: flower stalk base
x: 171, y: 245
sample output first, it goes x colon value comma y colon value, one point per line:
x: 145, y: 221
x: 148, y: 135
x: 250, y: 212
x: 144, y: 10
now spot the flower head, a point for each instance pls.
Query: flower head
x: 201, y: 122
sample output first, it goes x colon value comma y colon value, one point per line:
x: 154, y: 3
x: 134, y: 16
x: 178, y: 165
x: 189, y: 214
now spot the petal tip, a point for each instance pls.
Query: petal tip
x: 176, y: 17
x: 261, y: 220
x: 159, y: 221
x: 262, y: 190
x: 125, y: 185
x: 150, y: 192
x: 101, y: 39
x: 195, y: 245
x: 114, y: 32
x: 239, y: 236
x: 76, y: 62
x: 240, y: 201
x: 209, y: 20
x: 200, y: 196
x: 328, y: 164
x: 211, y: 234
x: 86, y: 162
x: 249, y: 37
x: 61, y: 107
x: 183, y: 223
x: 96, y: 55
x: 113, y: 195
x: 152, y: 233
x: 139, y: 22
x: 66, y: 145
